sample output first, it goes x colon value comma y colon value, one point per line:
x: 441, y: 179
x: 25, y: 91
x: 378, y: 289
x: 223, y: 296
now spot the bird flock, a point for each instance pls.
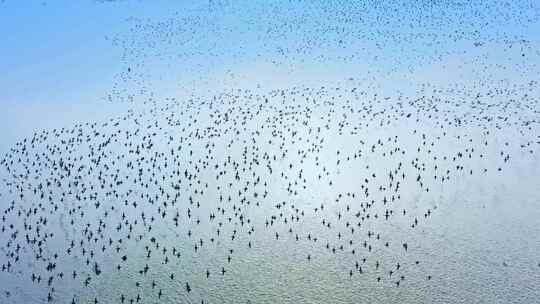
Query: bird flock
x: 180, y: 198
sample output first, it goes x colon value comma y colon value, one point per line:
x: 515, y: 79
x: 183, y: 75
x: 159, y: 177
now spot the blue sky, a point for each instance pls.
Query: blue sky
x: 67, y: 57
x: 57, y: 51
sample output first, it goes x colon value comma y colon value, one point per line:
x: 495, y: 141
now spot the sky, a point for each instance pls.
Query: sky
x: 66, y: 58
x: 56, y: 59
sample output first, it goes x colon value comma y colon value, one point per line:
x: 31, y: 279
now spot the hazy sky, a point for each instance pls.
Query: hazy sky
x: 57, y: 64
x: 61, y: 59
x: 57, y: 51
